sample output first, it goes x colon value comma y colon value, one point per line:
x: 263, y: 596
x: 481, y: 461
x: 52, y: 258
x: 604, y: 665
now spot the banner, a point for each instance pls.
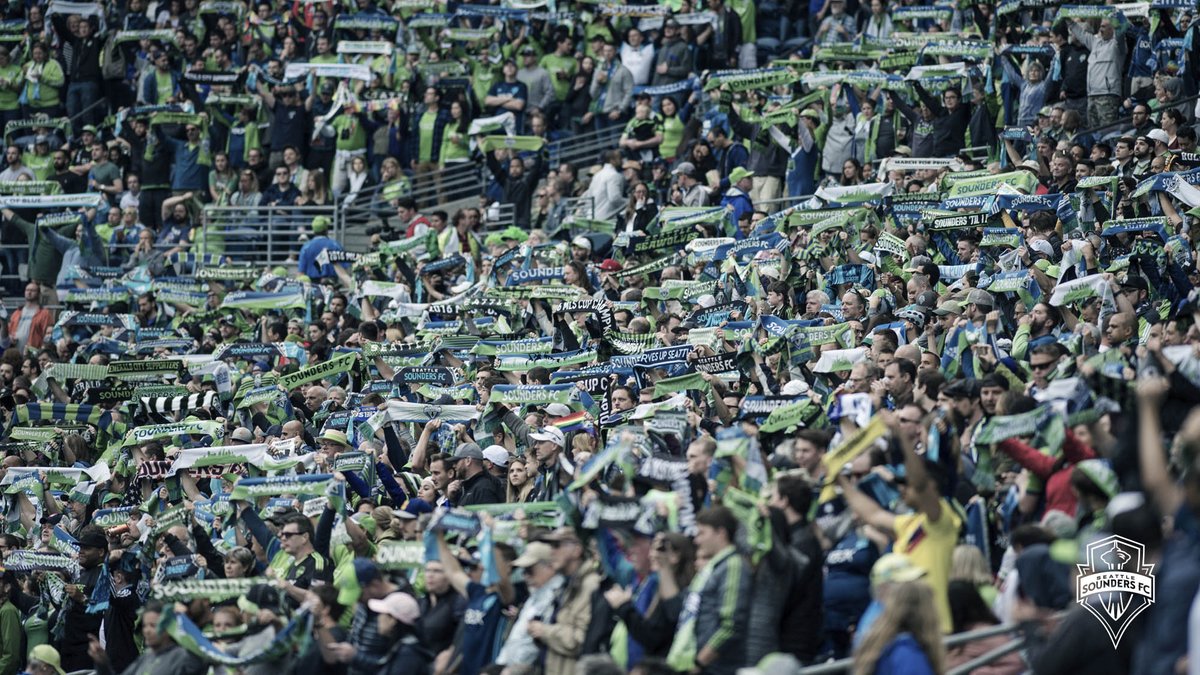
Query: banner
x: 143, y: 434
x: 293, y: 299
x: 335, y: 366
x: 248, y: 489
x: 261, y: 455
x: 534, y: 394
x: 338, y: 71
x: 521, y: 363
x: 149, y: 367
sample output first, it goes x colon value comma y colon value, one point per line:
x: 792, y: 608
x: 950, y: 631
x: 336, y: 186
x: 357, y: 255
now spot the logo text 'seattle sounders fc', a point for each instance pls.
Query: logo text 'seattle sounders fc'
x: 1115, y: 583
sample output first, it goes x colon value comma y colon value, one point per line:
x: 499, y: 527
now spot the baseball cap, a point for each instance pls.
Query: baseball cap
x: 1136, y: 281
x: 1160, y: 136
x: 794, y: 388
x: 536, y: 552
x: 739, y: 173
x: 528, y: 50
x: 413, y: 508
x: 93, y: 539
x: 90, y: 127
x: 809, y: 112
x: 366, y: 571
x: 320, y: 224
x: 981, y: 297
x: 894, y: 568
x: 917, y: 263
x: 948, y: 307
x: 610, y: 265
x: 467, y: 451
x: 400, y: 606
x: 49, y: 656
x: 1042, y: 246
x: 928, y: 299
x: 496, y: 454
x: 582, y: 242
x: 242, y: 435
x: 552, y: 434
x: 685, y: 169
x: 1046, y: 111
x: 671, y: 22
x: 557, y: 409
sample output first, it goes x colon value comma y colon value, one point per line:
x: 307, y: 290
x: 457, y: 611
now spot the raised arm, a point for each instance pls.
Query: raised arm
x: 1152, y: 460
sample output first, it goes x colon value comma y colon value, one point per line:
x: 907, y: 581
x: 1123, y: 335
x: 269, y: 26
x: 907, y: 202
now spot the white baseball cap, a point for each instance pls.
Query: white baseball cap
x: 553, y: 434
x: 400, y: 606
x: 558, y: 410
x: 496, y: 454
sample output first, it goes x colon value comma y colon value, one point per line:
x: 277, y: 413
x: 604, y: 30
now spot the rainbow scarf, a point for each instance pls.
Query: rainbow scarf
x: 573, y: 422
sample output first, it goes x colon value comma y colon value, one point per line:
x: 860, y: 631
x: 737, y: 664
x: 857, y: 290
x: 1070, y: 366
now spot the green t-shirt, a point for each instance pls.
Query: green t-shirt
x: 483, y: 76
x: 164, y: 85
x: 40, y: 165
x: 425, y: 142
x: 104, y: 232
x: 562, y: 70
x: 350, y: 132
x: 455, y: 146
x: 672, y: 129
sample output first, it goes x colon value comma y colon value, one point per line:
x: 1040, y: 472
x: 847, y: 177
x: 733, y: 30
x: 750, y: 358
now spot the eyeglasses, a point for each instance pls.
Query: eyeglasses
x: 1041, y: 366
x: 289, y: 535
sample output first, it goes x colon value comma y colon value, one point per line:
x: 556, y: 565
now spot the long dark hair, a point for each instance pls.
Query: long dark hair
x: 581, y: 273
x: 967, y: 607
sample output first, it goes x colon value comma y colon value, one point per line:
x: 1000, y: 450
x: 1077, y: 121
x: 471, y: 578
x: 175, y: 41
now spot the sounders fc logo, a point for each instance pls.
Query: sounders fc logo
x: 1115, y: 584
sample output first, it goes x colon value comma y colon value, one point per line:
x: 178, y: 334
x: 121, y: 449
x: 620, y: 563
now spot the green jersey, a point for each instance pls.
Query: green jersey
x: 562, y: 70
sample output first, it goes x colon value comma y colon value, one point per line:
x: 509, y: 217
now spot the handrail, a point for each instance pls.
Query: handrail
x: 988, y: 657
x: 88, y: 109
x: 1124, y: 123
x: 844, y: 665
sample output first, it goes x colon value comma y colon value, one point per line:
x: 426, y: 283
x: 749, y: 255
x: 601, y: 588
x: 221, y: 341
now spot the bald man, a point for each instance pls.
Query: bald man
x: 314, y: 397
x: 293, y: 429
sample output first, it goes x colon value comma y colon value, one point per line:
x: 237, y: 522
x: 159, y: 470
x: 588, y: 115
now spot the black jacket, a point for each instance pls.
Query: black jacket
x: 800, y: 630
x: 517, y: 191
x: 482, y: 488
x: 949, y: 128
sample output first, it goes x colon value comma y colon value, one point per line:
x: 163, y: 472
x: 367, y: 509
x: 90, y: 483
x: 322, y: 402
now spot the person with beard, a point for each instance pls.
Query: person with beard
x: 1143, y: 154
x: 81, y: 618
x: 1035, y: 328
x: 282, y: 192
x: 70, y: 182
x: 175, y: 235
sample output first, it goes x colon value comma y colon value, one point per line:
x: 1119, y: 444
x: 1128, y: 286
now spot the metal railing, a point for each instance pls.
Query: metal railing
x: 1105, y: 129
x: 265, y: 235
x: 847, y: 664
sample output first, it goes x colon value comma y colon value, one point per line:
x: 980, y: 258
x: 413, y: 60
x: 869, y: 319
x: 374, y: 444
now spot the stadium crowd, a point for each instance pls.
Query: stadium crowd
x: 872, y: 324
